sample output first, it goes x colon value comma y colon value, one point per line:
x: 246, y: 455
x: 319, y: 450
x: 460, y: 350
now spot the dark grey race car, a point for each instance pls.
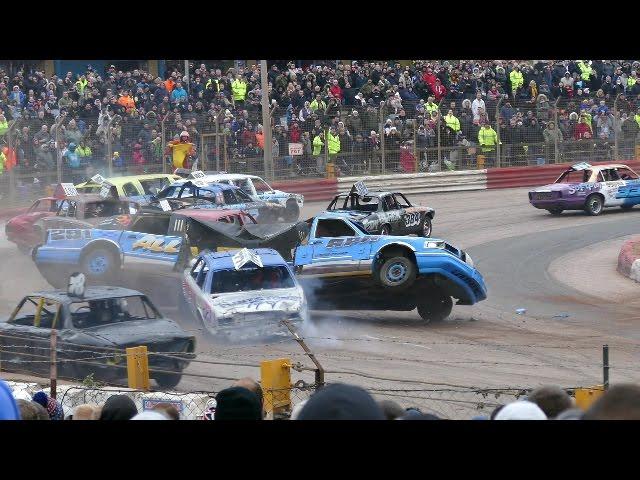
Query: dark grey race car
x: 111, y: 317
x: 384, y: 213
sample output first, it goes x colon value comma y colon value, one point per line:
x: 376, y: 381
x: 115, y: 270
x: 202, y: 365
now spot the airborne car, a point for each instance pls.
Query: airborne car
x: 99, y: 324
x: 346, y: 268
x: 589, y: 188
x: 384, y: 213
x: 250, y: 290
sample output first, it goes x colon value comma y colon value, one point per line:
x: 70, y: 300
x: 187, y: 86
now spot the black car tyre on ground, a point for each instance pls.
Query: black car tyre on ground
x: 292, y: 211
x: 167, y: 380
x: 626, y: 207
x: 435, y: 305
x: 100, y: 265
x: 396, y: 273
x: 555, y: 211
x: 594, y: 204
x: 426, y: 229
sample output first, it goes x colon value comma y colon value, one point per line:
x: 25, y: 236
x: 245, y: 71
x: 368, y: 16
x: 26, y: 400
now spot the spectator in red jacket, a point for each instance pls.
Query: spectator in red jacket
x: 336, y: 91
x: 294, y: 133
x: 582, y: 130
x: 439, y: 90
x: 248, y: 136
x: 429, y: 78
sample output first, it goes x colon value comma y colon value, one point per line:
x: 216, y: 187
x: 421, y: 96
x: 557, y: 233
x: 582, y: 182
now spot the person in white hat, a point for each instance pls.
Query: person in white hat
x: 521, y: 410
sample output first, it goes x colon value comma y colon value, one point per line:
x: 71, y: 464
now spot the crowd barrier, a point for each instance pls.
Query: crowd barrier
x: 313, y: 190
x: 512, y: 177
x: 417, y: 183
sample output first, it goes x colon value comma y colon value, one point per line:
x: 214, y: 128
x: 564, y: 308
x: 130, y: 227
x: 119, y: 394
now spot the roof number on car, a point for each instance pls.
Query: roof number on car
x: 243, y: 257
x: 361, y: 188
x: 106, y: 189
x: 580, y: 166
x: 76, y: 285
x: 97, y: 178
x: 197, y: 174
x: 69, y: 189
x: 164, y: 205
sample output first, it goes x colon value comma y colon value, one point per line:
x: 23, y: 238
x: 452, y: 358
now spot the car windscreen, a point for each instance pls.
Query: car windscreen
x: 572, y: 176
x: 98, y: 313
x: 250, y: 279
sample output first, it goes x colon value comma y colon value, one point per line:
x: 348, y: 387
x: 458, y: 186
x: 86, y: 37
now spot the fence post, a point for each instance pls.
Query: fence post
x: 383, y: 160
x: 438, y: 128
x: 226, y: 154
x: 556, y: 147
x: 319, y: 371
x: 415, y: 145
x: 616, y: 116
x: 138, y: 368
x: 164, y: 143
x: 110, y: 147
x: 499, y: 142
x: 275, y: 380
x: 58, y: 142
x: 53, y: 376
x: 605, y: 366
x: 215, y: 119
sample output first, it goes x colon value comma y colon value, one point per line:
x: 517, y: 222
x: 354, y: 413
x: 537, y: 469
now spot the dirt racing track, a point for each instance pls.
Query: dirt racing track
x: 561, y: 269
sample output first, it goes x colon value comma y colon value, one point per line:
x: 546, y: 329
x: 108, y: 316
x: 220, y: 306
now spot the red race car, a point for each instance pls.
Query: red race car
x: 20, y: 229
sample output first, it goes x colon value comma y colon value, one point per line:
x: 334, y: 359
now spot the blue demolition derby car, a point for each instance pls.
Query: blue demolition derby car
x: 341, y: 266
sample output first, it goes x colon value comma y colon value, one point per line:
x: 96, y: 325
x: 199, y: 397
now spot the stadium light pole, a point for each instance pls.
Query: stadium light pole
x: 266, y: 120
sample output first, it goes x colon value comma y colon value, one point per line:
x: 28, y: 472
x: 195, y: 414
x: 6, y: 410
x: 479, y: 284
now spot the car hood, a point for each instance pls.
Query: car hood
x: 142, y: 332
x: 351, y: 214
x: 288, y: 300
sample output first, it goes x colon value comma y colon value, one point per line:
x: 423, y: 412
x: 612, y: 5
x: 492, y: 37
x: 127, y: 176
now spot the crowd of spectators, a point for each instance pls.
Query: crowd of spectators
x: 343, y: 112
x: 244, y: 401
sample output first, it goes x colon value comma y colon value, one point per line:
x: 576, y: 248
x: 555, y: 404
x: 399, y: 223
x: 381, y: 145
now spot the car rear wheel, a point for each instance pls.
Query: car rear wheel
x: 426, y: 227
x: 626, y: 207
x: 100, y: 265
x: 594, y: 204
x: 167, y: 380
x: 396, y: 273
x: 292, y: 211
x: 555, y: 211
x: 435, y: 306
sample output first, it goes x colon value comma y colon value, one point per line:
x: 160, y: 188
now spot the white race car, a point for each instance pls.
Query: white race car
x: 257, y: 189
x: 242, y: 293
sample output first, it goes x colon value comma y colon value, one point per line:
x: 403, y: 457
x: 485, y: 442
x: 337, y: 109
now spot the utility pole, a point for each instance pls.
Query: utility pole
x: 266, y: 120
x: 186, y: 72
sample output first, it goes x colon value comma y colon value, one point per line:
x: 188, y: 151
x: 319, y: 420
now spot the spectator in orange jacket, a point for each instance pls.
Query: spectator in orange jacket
x: 127, y: 101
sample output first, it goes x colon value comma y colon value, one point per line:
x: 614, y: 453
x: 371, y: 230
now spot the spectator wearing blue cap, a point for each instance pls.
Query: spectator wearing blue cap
x: 8, y: 406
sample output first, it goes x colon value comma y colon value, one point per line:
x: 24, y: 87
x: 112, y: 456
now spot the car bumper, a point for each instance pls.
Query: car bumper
x: 559, y: 203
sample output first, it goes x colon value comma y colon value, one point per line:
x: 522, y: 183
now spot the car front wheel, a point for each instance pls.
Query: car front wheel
x: 100, y: 265
x: 435, y: 306
x: 594, y: 205
x: 555, y: 211
x: 426, y: 227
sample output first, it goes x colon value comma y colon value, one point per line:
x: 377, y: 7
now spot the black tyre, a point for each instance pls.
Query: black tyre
x: 435, y: 306
x: 396, y: 273
x: 292, y: 211
x: 385, y: 230
x: 555, y: 211
x: 427, y: 228
x: 100, y: 265
x: 167, y: 380
x: 594, y: 205
x: 626, y: 207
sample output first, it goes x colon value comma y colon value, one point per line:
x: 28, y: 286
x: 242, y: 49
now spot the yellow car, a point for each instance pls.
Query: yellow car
x: 133, y: 185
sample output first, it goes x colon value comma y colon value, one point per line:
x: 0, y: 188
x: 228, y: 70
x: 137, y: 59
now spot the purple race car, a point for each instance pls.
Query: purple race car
x: 589, y: 188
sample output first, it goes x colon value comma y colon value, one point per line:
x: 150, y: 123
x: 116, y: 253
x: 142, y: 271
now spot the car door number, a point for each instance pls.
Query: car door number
x: 412, y: 219
x: 70, y: 234
x: 154, y: 244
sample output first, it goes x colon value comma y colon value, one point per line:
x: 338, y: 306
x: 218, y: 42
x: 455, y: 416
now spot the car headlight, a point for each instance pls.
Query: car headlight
x: 432, y: 244
x: 468, y: 259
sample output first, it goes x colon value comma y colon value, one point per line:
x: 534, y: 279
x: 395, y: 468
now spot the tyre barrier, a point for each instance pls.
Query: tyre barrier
x: 313, y: 190
x: 629, y: 259
x: 513, y: 177
x: 414, y: 183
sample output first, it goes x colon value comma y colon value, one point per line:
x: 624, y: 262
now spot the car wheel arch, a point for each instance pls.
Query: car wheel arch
x: 102, y: 243
x: 392, y: 249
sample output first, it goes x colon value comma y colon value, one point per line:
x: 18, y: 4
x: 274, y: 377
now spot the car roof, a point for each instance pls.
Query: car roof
x: 223, y: 260
x: 91, y: 293
x: 331, y: 215
x: 227, y: 176
x: 209, y: 186
x: 370, y: 193
x: 128, y: 178
x: 208, y: 213
x: 91, y: 197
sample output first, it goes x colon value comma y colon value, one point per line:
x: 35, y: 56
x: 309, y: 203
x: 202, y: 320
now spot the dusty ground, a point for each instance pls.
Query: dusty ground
x: 561, y: 269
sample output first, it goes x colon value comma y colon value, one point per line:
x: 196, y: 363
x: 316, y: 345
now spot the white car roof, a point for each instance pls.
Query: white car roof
x: 228, y: 176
